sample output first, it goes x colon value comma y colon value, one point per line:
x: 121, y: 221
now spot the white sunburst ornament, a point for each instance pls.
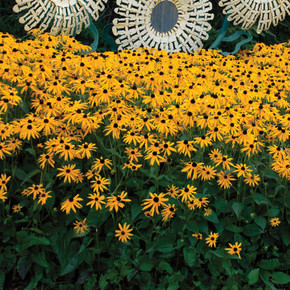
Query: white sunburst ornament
x: 69, y: 16
x: 247, y: 12
x: 173, y: 25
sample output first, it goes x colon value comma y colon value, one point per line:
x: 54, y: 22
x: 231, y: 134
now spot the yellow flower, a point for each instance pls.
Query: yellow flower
x: 124, y: 233
x: 275, y: 222
x: 16, y: 208
x: 71, y: 204
x: 211, y: 239
x: 235, y: 249
x: 116, y: 202
x: 96, y: 200
x: 2, y: 195
x: 154, y: 202
x: 80, y: 226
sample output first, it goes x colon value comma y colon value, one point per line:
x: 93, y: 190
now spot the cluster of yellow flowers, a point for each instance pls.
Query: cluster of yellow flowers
x: 197, y: 112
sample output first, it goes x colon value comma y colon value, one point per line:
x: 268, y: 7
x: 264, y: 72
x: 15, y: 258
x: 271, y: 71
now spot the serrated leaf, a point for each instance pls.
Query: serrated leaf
x: 103, y: 282
x: 23, y: 266
x: 40, y: 259
x: 253, y: 276
x: 273, y: 212
x: 285, y: 235
x: 189, y: 256
x: 164, y: 266
x: 269, y: 264
x: 260, y: 198
x: 280, y: 278
x: 260, y: 221
x: 237, y: 207
x: 135, y: 211
x: 234, y: 228
x: 252, y: 230
x: 146, y: 265
x: 212, y: 218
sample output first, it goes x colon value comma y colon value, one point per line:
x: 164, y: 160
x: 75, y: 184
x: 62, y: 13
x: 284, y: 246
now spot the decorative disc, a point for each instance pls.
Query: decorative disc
x: 174, y: 25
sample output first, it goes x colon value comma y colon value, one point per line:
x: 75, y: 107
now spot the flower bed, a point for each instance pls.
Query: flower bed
x: 142, y: 168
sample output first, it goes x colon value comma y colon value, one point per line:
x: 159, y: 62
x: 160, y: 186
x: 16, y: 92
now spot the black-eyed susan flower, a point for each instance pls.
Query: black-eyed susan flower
x: 224, y: 179
x: 207, y: 172
x: 46, y: 159
x: 124, y: 233
x: 71, y: 204
x: 43, y: 196
x: 185, y: 147
x: 275, y: 222
x: 133, y: 154
x: 225, y: 161
x: 252, y: 180
x: 3, y: 195
x: 69, y: 173
x: 242, y: 170
x: 101, y: 163
x: 198, y: 236
x: 81, y: 226
x: 211, y: 239
x: 207, y: 212
x: 154, y: 202
x: 168, y: 212
x: 172, y: 191
x: 116, y: 202
x: 192, y: 169
x: 187, y: 193
x: 96, y: 200
x: 234, y: 249
x: 3, y: 181
x: 99, y: 183
x: 4, y: 149
x: 86, y: 149
x: 35, y: 190
x: 201, y: 202
x: 16, y: 208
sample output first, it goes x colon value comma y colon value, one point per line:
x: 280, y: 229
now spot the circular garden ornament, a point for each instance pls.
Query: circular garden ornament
x: 173, y: 25
x: 247, y: 12
x: 69, y: 16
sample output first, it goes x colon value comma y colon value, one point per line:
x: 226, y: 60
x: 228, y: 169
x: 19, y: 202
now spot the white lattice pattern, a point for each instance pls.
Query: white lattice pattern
x: 134, y: 28
x: 69, y: 16
x: 247, y: 12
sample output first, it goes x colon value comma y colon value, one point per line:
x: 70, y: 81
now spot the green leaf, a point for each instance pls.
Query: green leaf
x: 164, y: 266
x: 222, y: 205
x: 270, y: 174
x: 260, y: 221
x: 253, y: 276
x: 31, y: 151
x: 23, y: 266
x: 71, y: 265
x: 260, y: 198
x: 212, y: 218
x: 189, y: 256
x: 146, y: 265
x: 40, y: 259
x: 280, y: 278
x: 2, y: 279
x: 270, y: 264
x: 135, y: 211
x: 285, y: 235
x: 273, y: 212
x: 252, y: 230
x: 192, y: 226
x: 234, y: 228
x: 31, y: 240
x: 237, y: 207
x: 103, y: 282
